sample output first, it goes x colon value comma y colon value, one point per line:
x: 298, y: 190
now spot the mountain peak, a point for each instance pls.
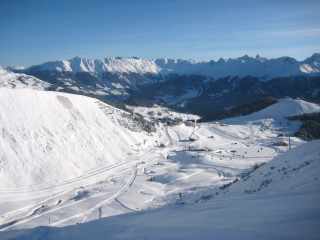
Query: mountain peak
x: 76, y: 58
x: 315, y: 56
x: 221, y: 60
x: 16, y: 68
x: 242, y: 66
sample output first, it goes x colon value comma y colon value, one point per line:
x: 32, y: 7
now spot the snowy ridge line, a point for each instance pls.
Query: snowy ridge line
x: 241, y: 66
x: 9, y: 80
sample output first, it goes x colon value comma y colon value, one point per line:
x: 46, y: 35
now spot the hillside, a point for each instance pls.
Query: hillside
x: 242, y: 110
x: 9, y: 79
x: 241, y: 67
x: 277, y: 201
x: 278, y: 111
x: 68, y: 159
x: 201, y: 88
x: 50, y: 137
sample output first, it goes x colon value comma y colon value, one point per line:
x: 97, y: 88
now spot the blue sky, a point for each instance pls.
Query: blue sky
x: 33, y: 32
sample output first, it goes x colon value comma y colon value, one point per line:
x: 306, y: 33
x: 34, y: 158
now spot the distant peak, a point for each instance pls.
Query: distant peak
x: 315, y: 55
x: 245, y: 57
x: 258, y: 56
x: 16, y: 68
x: 221, y: 60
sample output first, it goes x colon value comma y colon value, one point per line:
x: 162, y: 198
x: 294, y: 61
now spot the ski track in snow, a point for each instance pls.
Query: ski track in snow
x: 91, y: 178
x: 118, y: 185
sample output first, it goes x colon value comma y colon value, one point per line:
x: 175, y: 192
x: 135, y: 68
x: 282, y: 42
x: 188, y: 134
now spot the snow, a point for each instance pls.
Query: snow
x: 96, y: 67
x: 55, y: 66
x: 263, y: 68
x: 286, y: 208
x: 164, y: 113
x: 284, y: 107
x: 16, y: 68
x: 9, y: 79
x: 64, y: 137
x: 68, y: 159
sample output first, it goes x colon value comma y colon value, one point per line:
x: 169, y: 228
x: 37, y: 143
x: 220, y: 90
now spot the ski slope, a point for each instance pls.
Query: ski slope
x: 50, y: 137
x: 285, y: 207
x: 75, y: 168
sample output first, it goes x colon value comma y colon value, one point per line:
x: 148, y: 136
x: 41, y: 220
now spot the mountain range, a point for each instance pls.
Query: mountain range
x: 78, y: 166
x: 202, y: 88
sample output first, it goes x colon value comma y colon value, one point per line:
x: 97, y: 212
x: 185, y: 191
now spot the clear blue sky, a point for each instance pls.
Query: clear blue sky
x: 33, y: 32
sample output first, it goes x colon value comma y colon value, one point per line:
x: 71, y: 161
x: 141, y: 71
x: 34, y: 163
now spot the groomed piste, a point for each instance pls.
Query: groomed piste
x: 75, y: 168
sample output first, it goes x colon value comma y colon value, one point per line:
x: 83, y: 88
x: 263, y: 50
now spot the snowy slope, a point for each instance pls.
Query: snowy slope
x: 241, y: 67
x: 69, y: 160
x: 264, y: 68
x: 9, y: 79
x: 50, y: 137
x: 286, y: 107
x: 277, y: 111
x: 16, y: 68
x: 201, y: 88
x: 159, y: 112
x: 285, y: 207
x: 98, y: 66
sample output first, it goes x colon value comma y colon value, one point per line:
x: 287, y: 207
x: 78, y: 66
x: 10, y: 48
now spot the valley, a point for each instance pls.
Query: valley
x: 70, y: 160
x: 156, y: 120
x: 145, y: 176
x: 201, y: 88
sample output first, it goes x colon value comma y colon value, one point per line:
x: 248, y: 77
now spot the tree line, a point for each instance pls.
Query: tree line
x: 140, y: 102
x: 306, y: 116
x: 242, y: 110
x: 310, y: 129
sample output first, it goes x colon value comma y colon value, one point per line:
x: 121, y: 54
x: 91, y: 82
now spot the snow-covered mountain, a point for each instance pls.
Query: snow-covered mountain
x: 9, y: 79
x: 47, y: 137
x: 201, y: 88
x: 72, y: 166
x: 241, y: 67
